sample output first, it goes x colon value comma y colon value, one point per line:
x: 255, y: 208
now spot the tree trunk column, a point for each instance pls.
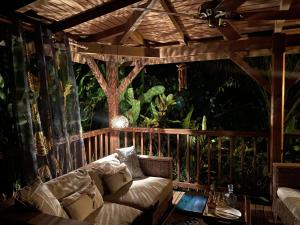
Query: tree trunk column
x: 277, y: 98
x: 113, y: 101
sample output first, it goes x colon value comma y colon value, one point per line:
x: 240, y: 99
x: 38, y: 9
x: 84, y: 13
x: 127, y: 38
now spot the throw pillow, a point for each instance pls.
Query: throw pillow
x: 97, y: 171
x: 129, y: 157
x: 116, y: 181
x: 40, y: 197
x: 81, y: 204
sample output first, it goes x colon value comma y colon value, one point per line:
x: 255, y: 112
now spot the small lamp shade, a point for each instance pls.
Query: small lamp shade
x: 119, y: 122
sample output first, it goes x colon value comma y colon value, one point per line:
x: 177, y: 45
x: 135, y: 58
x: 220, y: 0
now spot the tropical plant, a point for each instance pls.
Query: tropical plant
x: 131, y: 107
x: 90, y: 95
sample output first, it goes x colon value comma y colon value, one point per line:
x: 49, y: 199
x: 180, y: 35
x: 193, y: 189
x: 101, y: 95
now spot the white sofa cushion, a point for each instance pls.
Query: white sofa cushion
x: 81, y: 204
x: 128, y: 156
x: 118, y: 180
x: 112, y: 213
x: 142, y: 193
x: 69, y: 183
x: 39, y: 196
x: 291, y: 198
x: 98, y: 168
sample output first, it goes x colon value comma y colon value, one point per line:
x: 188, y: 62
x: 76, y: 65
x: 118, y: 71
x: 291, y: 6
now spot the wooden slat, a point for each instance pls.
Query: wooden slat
x: 231, y: 148
x: 209, y: 160
x: 168, y: 145
x: 142, y: 143
x: 198, y: 159
x: 133, y: 138
x: 177, y: 157
x: 159, y: 145
x: 107, y: 145
x: 101, y: 146
x: 125, y: 139
x: 219, y: 158
x: 90, y: 14
x: 187, y: 162
x: 95, y: 148
x: 150, y: 144
x: 89, y: 150
x: 211, y: 133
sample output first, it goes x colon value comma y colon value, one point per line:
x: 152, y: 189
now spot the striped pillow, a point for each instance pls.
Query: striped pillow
x: 38, y: 195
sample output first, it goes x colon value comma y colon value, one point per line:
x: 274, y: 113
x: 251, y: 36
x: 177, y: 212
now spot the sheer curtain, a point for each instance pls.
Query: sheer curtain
x: 46, y: 105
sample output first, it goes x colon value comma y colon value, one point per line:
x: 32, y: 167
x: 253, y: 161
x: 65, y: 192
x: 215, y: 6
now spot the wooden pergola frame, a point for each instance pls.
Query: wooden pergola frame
x: 232, y: 46
x: 236, y: 50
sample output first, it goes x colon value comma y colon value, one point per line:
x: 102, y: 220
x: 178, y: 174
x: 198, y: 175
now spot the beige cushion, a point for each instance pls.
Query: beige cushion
x: 69, y: 183
x: 94, y: 170
x: 39, y: 196
x: 113, y: 159
x: 81, y: 204
x: 143, y: 193
x: 113, y: 214
x: 129, y: 157
x: 115, y: 181
x: 97, y: 179
x: 100, y: 169
x: 291, y: 198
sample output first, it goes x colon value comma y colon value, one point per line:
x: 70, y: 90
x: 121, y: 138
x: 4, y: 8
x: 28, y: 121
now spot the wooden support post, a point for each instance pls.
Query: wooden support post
x: 113, y: 100
x: 277, y: 97
x: 113, y: 90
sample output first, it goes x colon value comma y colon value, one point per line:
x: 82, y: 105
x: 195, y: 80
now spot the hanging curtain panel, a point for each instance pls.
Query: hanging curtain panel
x: 47, y: 105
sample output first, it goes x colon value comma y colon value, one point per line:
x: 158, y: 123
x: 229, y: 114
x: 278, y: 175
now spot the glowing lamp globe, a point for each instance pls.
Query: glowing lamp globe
x: 119, y: 122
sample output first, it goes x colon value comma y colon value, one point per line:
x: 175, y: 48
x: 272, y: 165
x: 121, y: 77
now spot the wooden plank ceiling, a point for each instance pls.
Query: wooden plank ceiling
x: 161, y: 28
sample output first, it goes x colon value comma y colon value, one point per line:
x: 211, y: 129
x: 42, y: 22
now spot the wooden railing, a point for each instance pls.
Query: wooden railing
x: 199, y: 157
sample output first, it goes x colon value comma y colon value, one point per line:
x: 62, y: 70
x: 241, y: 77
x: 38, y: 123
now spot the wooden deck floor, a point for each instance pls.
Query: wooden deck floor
x: 260, y: 214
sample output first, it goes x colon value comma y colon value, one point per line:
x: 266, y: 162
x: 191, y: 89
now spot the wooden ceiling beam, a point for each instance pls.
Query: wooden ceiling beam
x: 284, y: 5
x: 250, y: 71
x: 103, y: 34
x: 138, y: 66
x: 135, y: 20
x: 90, y: 14
x: 167, y: 6
x: 228, y: 46
x: 118, y: 50
x: 138, y: 38
x: 229, y: 31
x: 97, y: 73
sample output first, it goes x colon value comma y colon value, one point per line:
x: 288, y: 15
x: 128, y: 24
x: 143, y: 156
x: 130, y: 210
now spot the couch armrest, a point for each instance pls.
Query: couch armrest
x: 156, y: 166
x: 285, y: 175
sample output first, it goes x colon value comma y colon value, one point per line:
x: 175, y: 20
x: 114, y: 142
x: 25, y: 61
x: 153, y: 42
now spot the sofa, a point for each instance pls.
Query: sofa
x: 92, y: 195
x: 286, y: 192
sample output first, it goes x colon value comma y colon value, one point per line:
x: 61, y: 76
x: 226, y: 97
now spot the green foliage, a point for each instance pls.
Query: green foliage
x: 90, y: 94
x: 151, y: 93
x: 153, y: 102
x: 158, y: 111
x: 133, y: 113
